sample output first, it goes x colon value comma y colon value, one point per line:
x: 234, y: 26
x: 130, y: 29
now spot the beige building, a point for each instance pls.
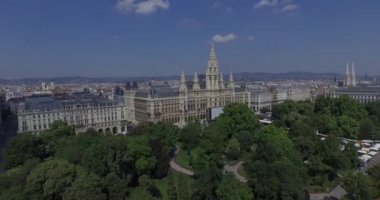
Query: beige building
x: 189, y: 101
x: 82, y: 110
x: 362, y: 95
x: 266, y: 98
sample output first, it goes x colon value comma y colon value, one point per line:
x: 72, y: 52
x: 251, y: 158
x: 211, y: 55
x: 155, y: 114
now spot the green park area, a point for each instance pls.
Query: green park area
x: 63, y: 164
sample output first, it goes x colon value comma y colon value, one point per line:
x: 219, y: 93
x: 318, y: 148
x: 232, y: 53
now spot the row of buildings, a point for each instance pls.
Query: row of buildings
x: 360, y: 94
x: 188, y: 100
x: 83, y: 110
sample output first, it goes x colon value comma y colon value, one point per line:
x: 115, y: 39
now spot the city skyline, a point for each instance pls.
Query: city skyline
x: 129, y: 38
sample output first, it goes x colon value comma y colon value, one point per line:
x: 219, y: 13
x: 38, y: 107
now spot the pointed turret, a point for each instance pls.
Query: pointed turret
x: 221, y: 81
x: 182, y: 83
x: 231, y: 84
x: 353, y: 75
x: 347, y: 78
x: 196, y: 85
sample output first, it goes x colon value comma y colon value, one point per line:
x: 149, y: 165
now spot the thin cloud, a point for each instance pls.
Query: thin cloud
x: 266, y: 3
x: 218, y: 38
x: 251, y: 38
x: 277, y: 6
x: 289, y: 7
x: 143, y: 7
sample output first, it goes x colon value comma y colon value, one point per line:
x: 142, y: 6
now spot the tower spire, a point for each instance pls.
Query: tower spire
x: 231, y: 84
x: 221, y: 81
x: 347, y: 76
x: 196, y: 85
x: 353, y: 75
x: 212, y: 72
x: 182, y: 83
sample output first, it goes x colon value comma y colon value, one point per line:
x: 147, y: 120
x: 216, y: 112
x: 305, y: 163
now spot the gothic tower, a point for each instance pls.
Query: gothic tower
x: 347, y: 78
x: 221, y: 81
x: 231, y: 84
x: 182, y: 84
x: 212, y: 72
x: 353, y: 75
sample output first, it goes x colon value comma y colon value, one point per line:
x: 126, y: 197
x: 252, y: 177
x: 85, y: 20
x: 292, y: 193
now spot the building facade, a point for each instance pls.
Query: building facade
x: 362, y: 95
x: 82, y: 110
x: 189, y: 101
x: 266, y: 98
x: 261, y: 99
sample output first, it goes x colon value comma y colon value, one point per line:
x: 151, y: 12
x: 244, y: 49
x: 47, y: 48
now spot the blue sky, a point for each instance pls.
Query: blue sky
x: 101, y: 38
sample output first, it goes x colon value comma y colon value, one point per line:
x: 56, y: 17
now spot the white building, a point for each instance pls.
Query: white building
x: 362, y: 95
x: 261, y: 99
x: 82, y: 110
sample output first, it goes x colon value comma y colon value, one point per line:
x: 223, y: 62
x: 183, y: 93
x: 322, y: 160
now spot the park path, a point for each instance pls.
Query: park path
x: 178, y: 167
x: 234, y: 170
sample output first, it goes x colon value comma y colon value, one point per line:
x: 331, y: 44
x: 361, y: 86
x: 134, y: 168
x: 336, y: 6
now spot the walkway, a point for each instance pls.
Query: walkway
x: 177, y: 167
x: 234, y: 169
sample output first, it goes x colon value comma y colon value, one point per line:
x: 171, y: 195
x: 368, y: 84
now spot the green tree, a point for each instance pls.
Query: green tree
x: 115, y: 187
x: 358, y: 186
x: 325, y: 123
x: 230, y: 189
x: 236, y: 118
x: 119, y: 161
x: 13, y: 193
x: 369, y: 129
x: 139, y: 193
x: 22, y: 148
x: 281, y: 174
x: 86, y: 186
x: 233, y: 149
x: 184, y: 190
x: 50, y: 179
x: 190, y: 135
x: 74, y: 148
x: 95, y: 159
x: 172, y: 188
x: 139, y: 149
x: 349, y: 126
x: 374, y: 173
x: 245, y: 139
x: 57, y: 134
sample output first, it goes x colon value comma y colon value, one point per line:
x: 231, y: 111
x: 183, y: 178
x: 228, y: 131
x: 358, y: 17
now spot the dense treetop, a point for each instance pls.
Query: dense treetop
x: 281, y: 161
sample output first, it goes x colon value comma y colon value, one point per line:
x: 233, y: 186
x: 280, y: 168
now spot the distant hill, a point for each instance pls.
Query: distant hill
x: 264, y: 76
x: 249, y: 76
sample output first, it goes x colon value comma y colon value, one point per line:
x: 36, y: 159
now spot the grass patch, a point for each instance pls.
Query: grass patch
x: 183, y: 159
x: 162, y: 185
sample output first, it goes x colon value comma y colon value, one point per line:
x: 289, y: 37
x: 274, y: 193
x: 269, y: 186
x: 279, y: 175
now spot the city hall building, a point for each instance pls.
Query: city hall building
x: 190, y: 100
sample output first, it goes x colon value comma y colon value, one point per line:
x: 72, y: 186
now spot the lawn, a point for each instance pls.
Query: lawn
x: 183, y: 159
x: 162, y: 185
